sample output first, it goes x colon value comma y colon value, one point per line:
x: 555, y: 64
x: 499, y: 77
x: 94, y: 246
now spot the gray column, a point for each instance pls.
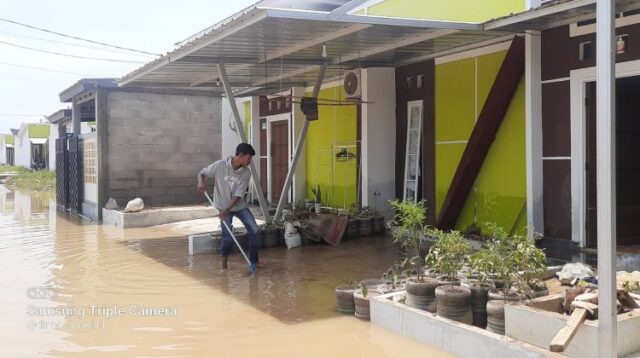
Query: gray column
x: 606, y: 174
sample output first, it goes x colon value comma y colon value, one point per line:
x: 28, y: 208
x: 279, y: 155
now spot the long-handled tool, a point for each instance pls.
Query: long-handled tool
x: 252, y: 267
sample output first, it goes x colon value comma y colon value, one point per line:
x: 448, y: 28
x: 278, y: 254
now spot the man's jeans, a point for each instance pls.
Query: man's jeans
x: 254, y: 232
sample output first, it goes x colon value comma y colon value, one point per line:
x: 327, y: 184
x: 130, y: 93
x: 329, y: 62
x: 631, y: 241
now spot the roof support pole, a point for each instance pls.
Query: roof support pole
x: 236, y: 114
x: 533, y: 129
x: 299, y: 147
x: 606, y: 177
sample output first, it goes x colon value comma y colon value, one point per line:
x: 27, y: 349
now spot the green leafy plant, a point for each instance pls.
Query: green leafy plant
x: 449, y: 254
x: 514, y: 260
x: 409, y: 227
x: 631, y: 286
x: 317, y: 194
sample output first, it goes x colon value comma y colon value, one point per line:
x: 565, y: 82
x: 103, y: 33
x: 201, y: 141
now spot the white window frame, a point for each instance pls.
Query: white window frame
x: 410, y: 105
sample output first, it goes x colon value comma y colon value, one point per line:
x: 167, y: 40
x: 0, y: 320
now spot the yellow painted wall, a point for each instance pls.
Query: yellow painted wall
x: 447, y: 10
x: 336, y: 126
x: 499, y: 192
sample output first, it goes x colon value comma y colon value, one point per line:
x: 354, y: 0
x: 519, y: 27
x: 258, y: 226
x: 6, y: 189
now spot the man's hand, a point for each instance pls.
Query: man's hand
x: 201, y: 188
x: 224, y: 214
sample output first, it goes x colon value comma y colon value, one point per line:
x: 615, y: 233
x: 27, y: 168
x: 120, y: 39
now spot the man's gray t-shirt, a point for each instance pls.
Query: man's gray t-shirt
x: 228, y: 183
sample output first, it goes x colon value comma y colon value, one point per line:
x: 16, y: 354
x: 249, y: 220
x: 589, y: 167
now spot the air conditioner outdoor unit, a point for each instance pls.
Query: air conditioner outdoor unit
x: 352, y: 84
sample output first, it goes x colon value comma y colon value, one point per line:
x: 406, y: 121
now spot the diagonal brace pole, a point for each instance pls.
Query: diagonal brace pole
x: 299, y: 147
x: 234, y: 108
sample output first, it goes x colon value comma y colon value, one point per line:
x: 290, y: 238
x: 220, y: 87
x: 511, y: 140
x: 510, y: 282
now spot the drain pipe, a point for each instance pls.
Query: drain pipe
x: 222, y: 71
x: 299, y: 146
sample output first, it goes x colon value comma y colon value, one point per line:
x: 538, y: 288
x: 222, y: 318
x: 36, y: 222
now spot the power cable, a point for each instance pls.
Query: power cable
x: 72, y: 44
x: 76, y: 37
x: 69, y: 55
x: 47, y: 69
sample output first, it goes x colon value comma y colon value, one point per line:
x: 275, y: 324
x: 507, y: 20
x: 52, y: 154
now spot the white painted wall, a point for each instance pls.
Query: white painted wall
x: 53, y: 135
x: 378, y: 138
x: 230, y: 138
x: 23, y: 149
x: 3, y: 150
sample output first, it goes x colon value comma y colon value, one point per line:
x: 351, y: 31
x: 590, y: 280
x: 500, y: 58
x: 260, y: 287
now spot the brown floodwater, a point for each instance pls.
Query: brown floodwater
x: 70, y: 287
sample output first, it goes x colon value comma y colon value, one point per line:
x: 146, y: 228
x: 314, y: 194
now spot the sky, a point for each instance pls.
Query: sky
x: 27, y: 95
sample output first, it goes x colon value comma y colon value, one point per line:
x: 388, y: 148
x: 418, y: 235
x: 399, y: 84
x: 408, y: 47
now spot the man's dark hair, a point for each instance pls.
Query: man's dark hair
x: 245, y: 148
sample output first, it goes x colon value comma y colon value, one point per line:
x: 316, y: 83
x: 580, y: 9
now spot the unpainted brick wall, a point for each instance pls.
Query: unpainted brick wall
x: 157, y: 145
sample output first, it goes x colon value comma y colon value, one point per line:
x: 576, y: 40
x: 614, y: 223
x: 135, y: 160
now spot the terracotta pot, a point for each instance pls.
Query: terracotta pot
x: 495, y: 310
x: 421, y: 294
x: 479, y: 298
x: 454, y: 303
x: 364, y: 226
x: 362, y: 303
x: 344, y: 297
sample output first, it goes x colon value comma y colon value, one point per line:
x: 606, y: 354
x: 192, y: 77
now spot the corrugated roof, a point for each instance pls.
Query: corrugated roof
x: 275, y: 48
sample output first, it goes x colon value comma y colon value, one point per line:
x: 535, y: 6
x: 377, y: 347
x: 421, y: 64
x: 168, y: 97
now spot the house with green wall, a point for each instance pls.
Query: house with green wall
x: 6, y: 149
x: 32, y: 146
x: 476, y: 107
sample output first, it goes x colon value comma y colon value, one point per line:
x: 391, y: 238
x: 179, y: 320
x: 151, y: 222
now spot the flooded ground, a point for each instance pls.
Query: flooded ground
x: 70, y: 288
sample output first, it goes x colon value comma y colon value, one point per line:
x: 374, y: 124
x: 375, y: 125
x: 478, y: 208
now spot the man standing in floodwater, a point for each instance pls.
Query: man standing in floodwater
x: 231, y: 180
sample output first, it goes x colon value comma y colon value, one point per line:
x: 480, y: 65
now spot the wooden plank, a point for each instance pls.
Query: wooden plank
x: 483, y: 134
x: 560, y: 342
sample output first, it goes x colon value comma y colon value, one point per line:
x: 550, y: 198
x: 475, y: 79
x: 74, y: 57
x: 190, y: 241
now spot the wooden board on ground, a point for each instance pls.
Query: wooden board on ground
x: 560, y: 342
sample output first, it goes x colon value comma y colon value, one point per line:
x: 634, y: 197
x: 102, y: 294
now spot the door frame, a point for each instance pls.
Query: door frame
x: 578, y: 89
x: 418, y: 182
x: 270, y: 120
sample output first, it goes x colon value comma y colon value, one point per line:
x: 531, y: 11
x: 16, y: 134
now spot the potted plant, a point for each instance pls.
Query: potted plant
x: 377, y: 221
x: 361, y: 299
x: 410, y: 226
x: 344, y: 296
x: 480, y: 285
x: 352, y: 225
x: 447, y: 256
x: 317, y: 194
x: 364, y: 222
x: 270, y: 235
x: 531, y: 263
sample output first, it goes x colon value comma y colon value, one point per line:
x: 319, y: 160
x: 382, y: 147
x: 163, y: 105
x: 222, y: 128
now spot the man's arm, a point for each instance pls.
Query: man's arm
x: 224, y: 213
x: 205, y: 172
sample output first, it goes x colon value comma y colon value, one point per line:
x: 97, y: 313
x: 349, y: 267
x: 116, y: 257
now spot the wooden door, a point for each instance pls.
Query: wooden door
x: 279, y: 157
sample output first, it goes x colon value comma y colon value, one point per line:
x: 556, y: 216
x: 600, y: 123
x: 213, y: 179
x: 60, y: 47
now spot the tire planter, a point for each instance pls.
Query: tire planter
x: 362, y: 303
x: 495, y: 310
x: 479, y: 299
x: 444, y: 281
x: 421, y: 294
x: 371, y: 283
x: 539, y: 293
x: 378, y: 224
x: 454, y: 303
x: 352, y: 228
x: 364, y: 226
x: 344, y: 299
x: 270, y: 237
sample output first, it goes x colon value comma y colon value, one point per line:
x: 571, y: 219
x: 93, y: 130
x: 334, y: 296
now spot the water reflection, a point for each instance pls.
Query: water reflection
x: 147, y: 297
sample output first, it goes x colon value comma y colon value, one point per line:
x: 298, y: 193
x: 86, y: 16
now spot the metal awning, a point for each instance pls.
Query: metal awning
x: 279, y: 48
x: 554, y: 14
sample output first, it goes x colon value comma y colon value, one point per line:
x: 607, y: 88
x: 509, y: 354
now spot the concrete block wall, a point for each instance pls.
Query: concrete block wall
x: 157, y: 145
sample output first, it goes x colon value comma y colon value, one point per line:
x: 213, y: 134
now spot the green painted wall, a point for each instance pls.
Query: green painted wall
x: 336, y: 126
x: 448, y: 10
x: 8, y: 139
x: 39, y: 130
x: 247, y: 118
x: 499, y: 192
